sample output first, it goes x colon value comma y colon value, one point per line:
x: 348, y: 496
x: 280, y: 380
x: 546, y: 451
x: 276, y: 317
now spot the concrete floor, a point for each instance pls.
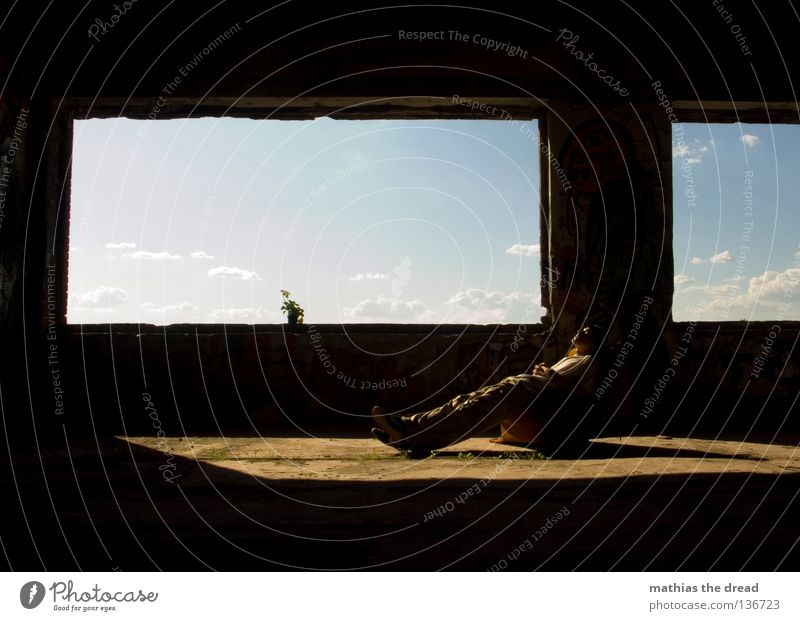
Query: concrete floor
x: 327, y: 502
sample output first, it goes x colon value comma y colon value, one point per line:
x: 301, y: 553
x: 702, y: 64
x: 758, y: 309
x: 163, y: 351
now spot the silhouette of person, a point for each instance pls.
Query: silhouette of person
x: 470, y: 414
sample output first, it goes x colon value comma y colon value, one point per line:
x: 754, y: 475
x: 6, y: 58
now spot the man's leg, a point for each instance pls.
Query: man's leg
x: 470, y: 414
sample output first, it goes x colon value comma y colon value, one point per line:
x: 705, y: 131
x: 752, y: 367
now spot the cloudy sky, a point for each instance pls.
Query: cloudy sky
x: 206, y: 220
x: 736, y: 259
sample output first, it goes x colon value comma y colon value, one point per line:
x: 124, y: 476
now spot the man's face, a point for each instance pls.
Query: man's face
x: 584, y: 340
x: 583, y: 335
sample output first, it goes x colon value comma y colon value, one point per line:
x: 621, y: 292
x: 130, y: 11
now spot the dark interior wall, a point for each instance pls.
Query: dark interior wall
x: 606, y: 206
x: 235, y: 380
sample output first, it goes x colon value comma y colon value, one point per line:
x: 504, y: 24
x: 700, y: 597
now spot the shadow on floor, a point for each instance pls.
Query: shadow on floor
x: 108, y: 506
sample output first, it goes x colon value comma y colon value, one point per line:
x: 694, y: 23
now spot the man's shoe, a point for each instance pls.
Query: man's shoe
x: 411, y: 452
x: 381, y: 436
x: 390, y: 425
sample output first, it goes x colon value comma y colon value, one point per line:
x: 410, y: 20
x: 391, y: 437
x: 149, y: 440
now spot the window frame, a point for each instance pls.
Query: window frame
x: 720, y: 113
x: 68, y: 110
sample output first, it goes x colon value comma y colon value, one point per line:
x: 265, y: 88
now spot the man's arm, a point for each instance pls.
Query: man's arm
x: 554, y: 378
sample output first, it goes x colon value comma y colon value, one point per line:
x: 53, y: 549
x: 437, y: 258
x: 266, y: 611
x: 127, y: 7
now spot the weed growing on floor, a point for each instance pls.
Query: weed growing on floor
x: 417, y: 455
x: 532, y: 454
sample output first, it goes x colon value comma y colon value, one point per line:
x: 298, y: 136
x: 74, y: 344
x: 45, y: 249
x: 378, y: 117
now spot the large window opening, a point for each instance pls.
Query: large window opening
x: 399, y: 221
x: 736, y: 247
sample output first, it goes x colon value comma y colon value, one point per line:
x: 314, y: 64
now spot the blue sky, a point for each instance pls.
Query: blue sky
x: 206, y: 220
x: 736, y: 222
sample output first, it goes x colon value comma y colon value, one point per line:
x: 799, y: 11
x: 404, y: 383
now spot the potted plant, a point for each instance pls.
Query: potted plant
x: 294, y: 312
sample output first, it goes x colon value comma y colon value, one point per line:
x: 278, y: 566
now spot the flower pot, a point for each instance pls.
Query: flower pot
x: 291, y: 318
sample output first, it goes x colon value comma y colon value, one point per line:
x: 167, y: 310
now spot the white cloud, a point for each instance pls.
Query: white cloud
x: 765, y: 294
x: 200, y: 254
x: 368, y: 276
x: 723, y: 257
x: 750, y: 140
x: 479, y: 306
x: 531, y: 250
x: 102, y: 297
x: 682, y: 279
x: 93, y: 315
x: 713, y: 290
x: 680, y: 150
x: 691, y: 153
x: 475, y: 298
x: 232, y: 272
x: 151, y: 256
x: 775, y: 285
x: 470, y: 306
x: 113, y: 245
x: 171, y: 309
x: 385, y: 308
x: 246, y: 315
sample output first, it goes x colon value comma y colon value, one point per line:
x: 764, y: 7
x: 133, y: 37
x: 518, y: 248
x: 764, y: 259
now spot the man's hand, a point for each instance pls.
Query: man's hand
x: 543, y: 370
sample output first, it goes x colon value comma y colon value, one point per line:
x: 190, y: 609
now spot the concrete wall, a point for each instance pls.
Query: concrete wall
x: 266, y: 379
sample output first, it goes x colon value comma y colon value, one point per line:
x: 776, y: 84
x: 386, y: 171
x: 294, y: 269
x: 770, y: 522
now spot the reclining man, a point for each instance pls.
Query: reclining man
x: 476, y: 412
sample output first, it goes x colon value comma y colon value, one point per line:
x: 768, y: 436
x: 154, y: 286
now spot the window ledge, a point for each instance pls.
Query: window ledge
x: 529, y: 329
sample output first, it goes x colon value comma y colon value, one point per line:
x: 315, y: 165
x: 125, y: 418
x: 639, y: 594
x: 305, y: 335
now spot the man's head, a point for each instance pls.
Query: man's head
x: 585, y: 340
